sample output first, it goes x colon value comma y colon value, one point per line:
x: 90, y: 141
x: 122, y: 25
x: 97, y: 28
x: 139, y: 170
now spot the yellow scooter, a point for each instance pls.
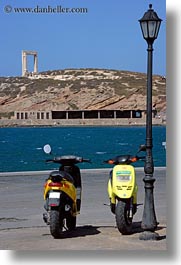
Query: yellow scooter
x: 62, y: 194
x: 122, y: 190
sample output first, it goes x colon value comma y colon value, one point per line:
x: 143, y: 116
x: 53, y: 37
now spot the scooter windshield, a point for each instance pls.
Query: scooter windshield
x: 123, y: 159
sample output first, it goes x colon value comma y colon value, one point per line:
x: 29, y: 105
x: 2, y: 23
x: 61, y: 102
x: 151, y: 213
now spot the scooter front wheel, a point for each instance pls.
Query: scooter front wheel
x: 123, y: 219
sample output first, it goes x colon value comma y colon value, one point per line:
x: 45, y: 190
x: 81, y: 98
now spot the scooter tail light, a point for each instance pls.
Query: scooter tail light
x: 55, y: 184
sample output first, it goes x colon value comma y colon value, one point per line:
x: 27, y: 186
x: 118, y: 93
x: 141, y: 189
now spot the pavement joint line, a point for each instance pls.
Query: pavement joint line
x: 43, y: 172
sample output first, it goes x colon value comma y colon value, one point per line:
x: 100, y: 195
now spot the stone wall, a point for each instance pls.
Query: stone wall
x: 79, y: 122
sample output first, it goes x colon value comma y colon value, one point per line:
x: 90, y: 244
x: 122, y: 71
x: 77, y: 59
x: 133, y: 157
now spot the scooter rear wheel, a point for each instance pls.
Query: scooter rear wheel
x: 56, y: 224
x: 123, y: 221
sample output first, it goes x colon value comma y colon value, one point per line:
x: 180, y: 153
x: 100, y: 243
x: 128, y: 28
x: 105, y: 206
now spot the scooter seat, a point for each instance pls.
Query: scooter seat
x: 60, y: 175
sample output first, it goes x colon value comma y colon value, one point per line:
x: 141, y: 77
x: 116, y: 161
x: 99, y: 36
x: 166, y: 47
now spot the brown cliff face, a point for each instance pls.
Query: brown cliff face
x: 74, y: 89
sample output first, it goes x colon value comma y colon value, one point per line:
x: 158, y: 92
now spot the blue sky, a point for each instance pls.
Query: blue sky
x: 107, y: 36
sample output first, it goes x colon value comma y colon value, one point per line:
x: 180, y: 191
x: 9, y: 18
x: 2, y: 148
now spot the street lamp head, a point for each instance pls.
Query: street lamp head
x: 150, y: 25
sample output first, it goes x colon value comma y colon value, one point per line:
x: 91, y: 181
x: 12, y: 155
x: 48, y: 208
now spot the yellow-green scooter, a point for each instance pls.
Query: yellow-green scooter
x: 122, y: 190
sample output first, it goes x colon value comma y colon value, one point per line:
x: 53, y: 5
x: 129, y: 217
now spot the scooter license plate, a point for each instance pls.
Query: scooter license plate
x: 54, y: 195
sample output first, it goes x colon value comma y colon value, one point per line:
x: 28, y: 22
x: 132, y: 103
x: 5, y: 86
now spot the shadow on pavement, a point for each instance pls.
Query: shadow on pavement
x: 88, y: 230
x: 80, y: 231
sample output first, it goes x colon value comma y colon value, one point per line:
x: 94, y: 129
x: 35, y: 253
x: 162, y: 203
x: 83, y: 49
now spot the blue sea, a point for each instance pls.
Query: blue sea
x: 21, y: 149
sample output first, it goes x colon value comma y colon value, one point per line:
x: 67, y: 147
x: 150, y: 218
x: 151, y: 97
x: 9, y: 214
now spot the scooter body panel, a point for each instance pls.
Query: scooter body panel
x: 122, y: 184
x: 55, y: 195
x: 63, y: 186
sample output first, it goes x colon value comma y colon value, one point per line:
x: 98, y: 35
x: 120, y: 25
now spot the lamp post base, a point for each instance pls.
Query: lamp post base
x: 148, y: 235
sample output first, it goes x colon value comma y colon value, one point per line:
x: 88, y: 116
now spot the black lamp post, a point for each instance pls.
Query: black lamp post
x: 150, y: 24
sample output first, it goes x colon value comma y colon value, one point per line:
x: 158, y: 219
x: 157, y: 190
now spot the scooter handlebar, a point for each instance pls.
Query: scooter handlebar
x: 109, y: 161
x: 142, y: 158
x: 124, y: 159
x: 49, y: 160
x: 86, y: 160
x: 68, y: 159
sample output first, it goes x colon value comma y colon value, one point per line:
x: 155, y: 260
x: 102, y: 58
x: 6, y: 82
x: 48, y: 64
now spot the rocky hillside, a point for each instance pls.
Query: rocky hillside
x: 73, y: 89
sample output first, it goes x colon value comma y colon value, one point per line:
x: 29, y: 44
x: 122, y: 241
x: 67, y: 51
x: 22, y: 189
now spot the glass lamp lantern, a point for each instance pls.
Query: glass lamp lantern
x: 150, y: 25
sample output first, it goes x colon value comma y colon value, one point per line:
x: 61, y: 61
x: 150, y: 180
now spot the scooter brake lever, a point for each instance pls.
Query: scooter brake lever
x: 48, y: 160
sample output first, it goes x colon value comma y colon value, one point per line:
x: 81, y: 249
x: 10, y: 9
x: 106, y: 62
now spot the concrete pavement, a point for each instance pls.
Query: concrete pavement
x: 22, y: 227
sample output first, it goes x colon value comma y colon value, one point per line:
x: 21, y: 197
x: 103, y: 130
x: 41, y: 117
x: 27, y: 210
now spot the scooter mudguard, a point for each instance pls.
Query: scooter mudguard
x: 122, y: 184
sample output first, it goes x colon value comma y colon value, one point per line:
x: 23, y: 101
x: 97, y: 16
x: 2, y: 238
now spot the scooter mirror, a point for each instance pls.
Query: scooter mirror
x: 47, y: 149
x: 142, y: 148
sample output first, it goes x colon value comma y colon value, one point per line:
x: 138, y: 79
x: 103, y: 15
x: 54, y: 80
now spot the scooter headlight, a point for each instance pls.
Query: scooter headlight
x: 124, y: 178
